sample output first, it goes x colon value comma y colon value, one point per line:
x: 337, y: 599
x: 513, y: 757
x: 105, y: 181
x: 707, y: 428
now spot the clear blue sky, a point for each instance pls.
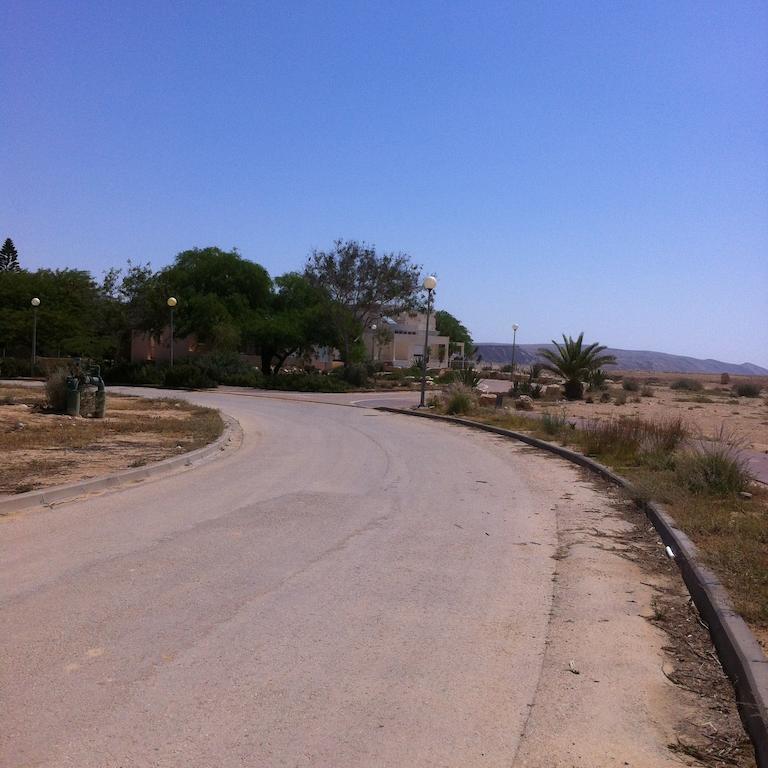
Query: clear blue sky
x: 569, y: 166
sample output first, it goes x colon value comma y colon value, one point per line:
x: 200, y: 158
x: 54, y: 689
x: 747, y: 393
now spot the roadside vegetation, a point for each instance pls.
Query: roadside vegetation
x: 40, y: 447
x: 703, y: 480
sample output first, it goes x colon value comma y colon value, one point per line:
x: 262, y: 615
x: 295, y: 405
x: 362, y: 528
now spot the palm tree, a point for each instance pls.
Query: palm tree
x: 574, y: 362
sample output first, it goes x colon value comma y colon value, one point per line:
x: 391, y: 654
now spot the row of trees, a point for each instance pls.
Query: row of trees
x: 225, y: 300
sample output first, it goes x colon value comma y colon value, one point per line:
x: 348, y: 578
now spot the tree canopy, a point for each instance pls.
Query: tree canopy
x: 448, y: 325
x: 221, y: 296
x: 361, y: 285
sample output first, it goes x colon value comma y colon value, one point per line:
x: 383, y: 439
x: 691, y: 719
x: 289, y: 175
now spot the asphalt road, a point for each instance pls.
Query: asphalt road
x: 348, y: 588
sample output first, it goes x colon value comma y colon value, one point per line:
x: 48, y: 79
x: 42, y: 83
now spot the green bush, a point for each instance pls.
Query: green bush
x: 13, y: 367
x: 467, y: 376
x: 630, y: 385
x: 715, y: 469
x: 187, y: 376
x: 529, y: 388
x: 691, y: 385
x: 356, y: 374
x: 133, y: 374
x: 459, y: 400
x: 746, y: 389
x: 630, y: 439
x: 224, y: 365
x: 252, y: 378
x: 553, y: 423
x: 303, y: 382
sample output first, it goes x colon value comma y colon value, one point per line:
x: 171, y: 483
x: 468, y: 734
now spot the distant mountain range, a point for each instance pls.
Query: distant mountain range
x: 626, y: 359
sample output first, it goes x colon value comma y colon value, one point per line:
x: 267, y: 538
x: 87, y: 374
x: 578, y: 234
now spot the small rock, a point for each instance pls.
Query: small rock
x: 745, y: 494
x: 524, y: 403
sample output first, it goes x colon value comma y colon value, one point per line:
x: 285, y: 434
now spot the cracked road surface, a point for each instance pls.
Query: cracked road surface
x: 348, y: 588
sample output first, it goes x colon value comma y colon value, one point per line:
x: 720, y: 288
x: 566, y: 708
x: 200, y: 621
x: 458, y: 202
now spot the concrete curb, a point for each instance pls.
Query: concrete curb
x: 60, y: 493
x: 740, y: 654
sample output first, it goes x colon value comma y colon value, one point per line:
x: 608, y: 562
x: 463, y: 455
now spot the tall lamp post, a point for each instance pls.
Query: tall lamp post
x: 373, y: 338
x: 171, y: 305
x: 35, y: 304
x: 515, y: 326
x: 430, y: 283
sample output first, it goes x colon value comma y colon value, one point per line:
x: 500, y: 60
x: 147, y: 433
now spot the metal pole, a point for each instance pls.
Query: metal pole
x: 514, y: 339
x: 34, y: 339
x: 171, y: 337
x: 426, y: 351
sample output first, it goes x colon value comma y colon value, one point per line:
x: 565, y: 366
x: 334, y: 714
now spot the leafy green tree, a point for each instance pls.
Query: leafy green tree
x: 575, y: 362
x: 9, y: 257
x: 296, y: 321
x: 362, y: 285
x: 69, y: 319
x: 221, y: 296
x: 448, y: 325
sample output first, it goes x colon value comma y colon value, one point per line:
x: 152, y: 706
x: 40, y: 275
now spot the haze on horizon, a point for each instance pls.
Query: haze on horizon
x: 595, y: 166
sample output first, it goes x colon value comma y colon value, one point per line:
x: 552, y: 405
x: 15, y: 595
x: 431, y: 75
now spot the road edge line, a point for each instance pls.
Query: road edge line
x: 741, y: 656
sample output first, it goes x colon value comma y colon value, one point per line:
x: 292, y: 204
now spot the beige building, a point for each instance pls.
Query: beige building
x: 400, y: 342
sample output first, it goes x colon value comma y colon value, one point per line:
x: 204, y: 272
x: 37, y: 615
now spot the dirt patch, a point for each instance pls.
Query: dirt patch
x: 704, y: 412
x: 40, y: 449
x: 712, y: 734
x: 623, y: 638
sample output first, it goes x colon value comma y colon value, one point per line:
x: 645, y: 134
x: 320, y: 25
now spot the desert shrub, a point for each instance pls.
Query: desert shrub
x: 529, y: 388
x: 631, y: 439
x: 553, y: 423
x: 551, y: 393
x: 468, y: 377
x: 187, y: 376
x: 715, y: 468
x: 459, y: 399
x: 605, y: 397
x: 56, y: 390
x: 596, y: 379
x: 647, y: 391
x: 746, y: 389
x: 630, y: 385
x: 691, y: 385
x: 620, y: 398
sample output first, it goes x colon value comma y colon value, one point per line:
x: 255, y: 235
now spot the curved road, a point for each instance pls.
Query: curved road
x: 348, y: 588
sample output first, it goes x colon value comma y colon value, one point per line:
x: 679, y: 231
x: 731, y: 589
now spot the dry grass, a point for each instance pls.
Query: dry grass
x: 39, y: 449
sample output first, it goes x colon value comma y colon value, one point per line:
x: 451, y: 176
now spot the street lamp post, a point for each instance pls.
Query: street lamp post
x: 515, y: 326
x: 430, y: 283
x: 171, y: 305
x: 373, y: 338
x: 35, y: 304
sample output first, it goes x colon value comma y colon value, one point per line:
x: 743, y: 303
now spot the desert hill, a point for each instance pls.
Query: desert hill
x: 627, y: 360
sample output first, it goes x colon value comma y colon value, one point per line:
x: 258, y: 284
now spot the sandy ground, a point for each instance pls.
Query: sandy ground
x: 743, y: 418
x: 40, y: 450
